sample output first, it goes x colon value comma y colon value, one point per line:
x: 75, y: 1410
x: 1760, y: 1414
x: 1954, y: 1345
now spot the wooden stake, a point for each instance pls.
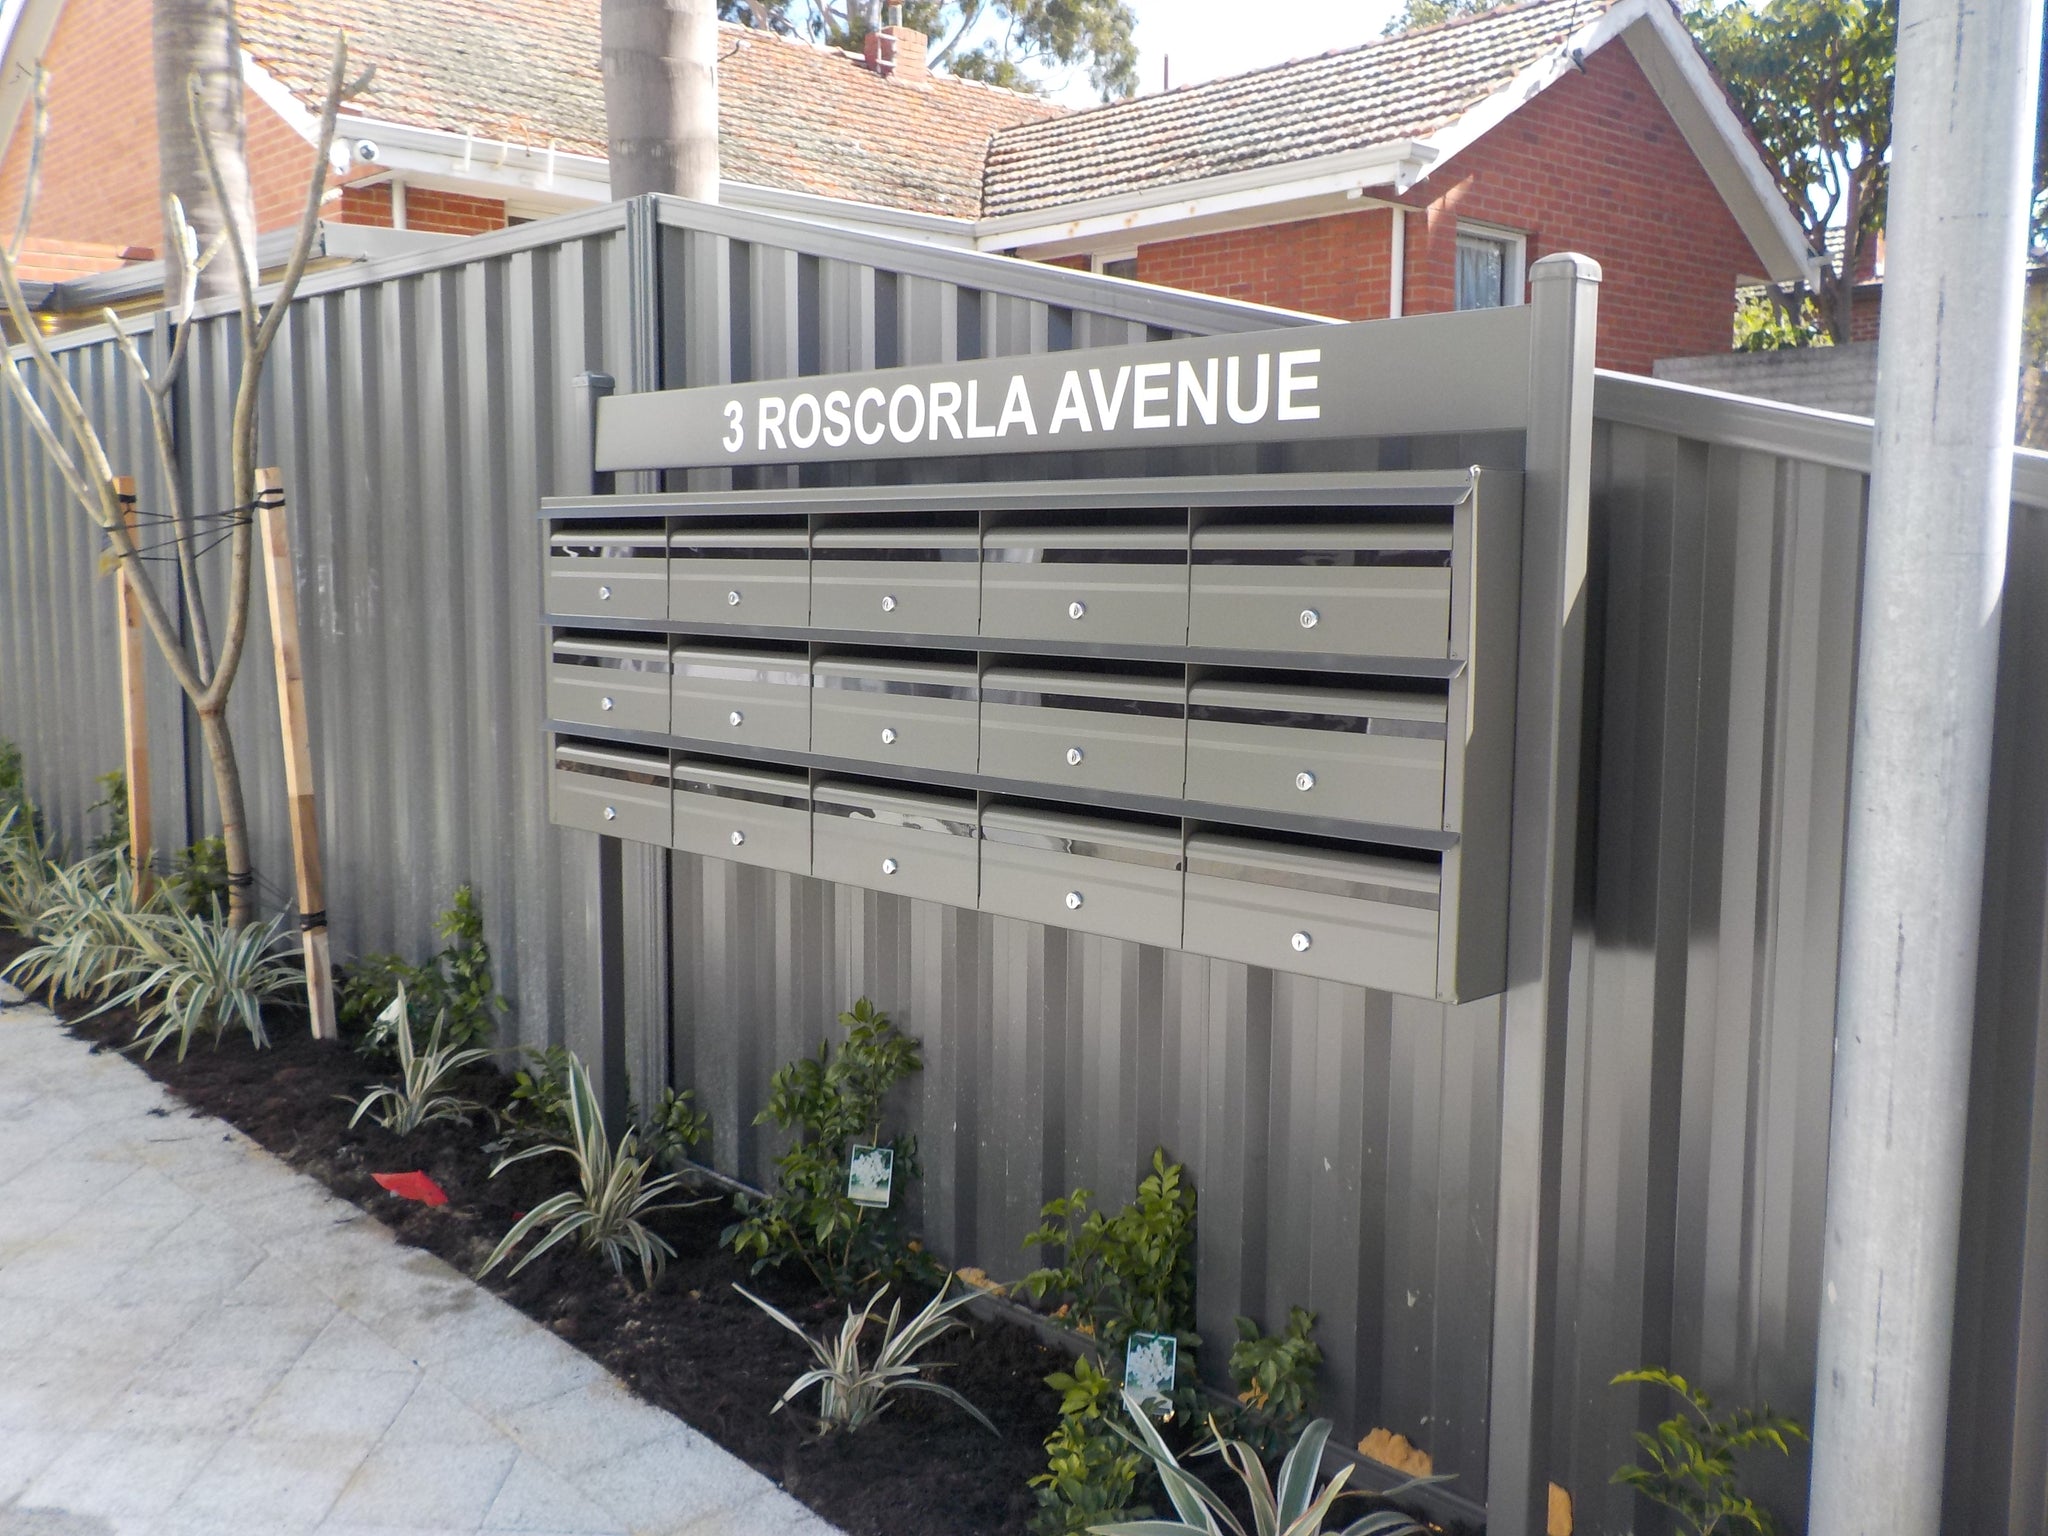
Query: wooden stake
x: 298, y: 747
x: 134, y: 707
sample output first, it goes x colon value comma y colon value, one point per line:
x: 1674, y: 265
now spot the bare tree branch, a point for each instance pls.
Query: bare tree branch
x: 32, y: 181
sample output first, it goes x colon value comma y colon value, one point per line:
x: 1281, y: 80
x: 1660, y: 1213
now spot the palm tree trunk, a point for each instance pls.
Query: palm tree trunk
x: 661, y: 96
x: 198, y: 64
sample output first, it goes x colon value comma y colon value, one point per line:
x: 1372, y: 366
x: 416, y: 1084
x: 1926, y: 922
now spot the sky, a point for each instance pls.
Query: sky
x: 1206, y: 38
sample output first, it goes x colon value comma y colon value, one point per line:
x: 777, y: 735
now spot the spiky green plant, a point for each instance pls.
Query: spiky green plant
x: 81, y: 930
x: 856, y: 1391
x: 25, y: 868
x: 613, y: 1192
x: 1292, y: 1505
x: 416, y: 1100
x: 189, y: 975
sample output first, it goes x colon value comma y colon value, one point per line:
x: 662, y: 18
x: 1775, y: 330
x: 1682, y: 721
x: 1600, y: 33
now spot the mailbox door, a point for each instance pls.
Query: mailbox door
x: 1341, y: 753
x: 1364, y: 590
x: 624, y: 685
x: 907, y: 716
x: 613, y: 790
x: 748, y: 817
x: 1124, y: 586
x: 1343, y: 916
x: 1120, y: 879
x: 1123, y: 733
x: 740, y: 576
x: 608, y: 573
x: 745, y: 697
x: 926, y: 846
x: 897, y: 581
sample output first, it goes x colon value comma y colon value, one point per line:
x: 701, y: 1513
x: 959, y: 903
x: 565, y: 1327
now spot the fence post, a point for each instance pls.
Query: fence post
x: 134, y: 707
x: 298, y: 748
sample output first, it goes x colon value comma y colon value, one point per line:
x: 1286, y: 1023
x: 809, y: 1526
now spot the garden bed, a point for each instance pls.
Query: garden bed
x: 692, y: 1346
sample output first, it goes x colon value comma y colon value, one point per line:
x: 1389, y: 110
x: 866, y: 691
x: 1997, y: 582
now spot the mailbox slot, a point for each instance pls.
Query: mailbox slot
x: 608, y: 572
x: 615, y: 683
x: 1346, y: 915
x: 926, y: 846
x: 908, y: 581
x: 750, y: 698
x: 1125, y: 732
x: 905, y: 714
x: 720, y: 574
x: 1363, y: 589
x: 1347, y: 754
x: 1125, y: 586
x: 1117, y: 878
x: 613, y: 790
x: 725, y: 812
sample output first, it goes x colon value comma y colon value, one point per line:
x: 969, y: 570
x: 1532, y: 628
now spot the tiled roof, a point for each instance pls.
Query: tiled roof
x: 1391, y: 89
x: 792, y: 116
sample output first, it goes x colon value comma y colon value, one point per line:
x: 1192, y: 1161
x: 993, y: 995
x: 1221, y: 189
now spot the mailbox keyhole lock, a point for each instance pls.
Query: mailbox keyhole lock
x: 1073, y: 901
x: 611, y: 813
x: 888, y: 735
x: 604, y: 594
x: 1309, y: 618
x: 1074, y: 756
x: 888, y: 866
x: 732, y: 598
x: 740, y: 837
x: 1304, y: 782
x: 1301, y: 942
x: 1077, y: 610
x: 735, y: 718
x: 889, y: 604
x: 604, y: 703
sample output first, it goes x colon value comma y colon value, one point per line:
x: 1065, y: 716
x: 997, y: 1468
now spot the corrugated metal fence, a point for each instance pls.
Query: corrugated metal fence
x: 1345, y: 1143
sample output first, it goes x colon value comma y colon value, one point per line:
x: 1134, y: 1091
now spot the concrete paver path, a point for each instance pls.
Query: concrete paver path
x: 196, y: 1341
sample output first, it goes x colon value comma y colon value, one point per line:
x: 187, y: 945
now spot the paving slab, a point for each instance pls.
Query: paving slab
x: 197, y: 1341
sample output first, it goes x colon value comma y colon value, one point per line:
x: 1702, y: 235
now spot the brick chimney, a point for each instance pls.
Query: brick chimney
x: 897, y: 52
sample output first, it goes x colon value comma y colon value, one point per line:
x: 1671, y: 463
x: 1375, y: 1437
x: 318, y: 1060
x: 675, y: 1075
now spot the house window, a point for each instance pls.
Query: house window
x: 1489, y: 269
x: 1118, y: 266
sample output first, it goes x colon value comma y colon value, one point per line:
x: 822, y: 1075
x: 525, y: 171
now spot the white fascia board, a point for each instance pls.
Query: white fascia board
x: 1265, y: 216
x: 25, y: 28
x: 1397, y: 164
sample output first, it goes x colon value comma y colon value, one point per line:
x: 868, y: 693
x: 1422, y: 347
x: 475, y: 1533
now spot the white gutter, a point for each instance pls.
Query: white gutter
x: 25, y: 28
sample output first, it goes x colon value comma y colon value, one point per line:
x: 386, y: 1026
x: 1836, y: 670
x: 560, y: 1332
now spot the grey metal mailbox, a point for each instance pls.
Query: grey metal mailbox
x: 896, y: 580
x: 1358, y: 589
x: 608, y: 572
x: 1113, y: 585
x: 745, y: 697
x: 911, y: 844
x: 1098, y: 730
x: 751, y: 816
x: 618, y: 684
x: 618, y: 791
x: 728, y: 575
x: 1118, y: 878
x: 905, y: 714
x: 1346, y: 753
x: 1346, y: 916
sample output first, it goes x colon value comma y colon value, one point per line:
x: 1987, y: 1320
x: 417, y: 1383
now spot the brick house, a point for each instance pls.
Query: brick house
x: 1405, y: 176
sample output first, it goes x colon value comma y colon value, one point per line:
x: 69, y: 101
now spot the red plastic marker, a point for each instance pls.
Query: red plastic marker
x: 413, y: 1186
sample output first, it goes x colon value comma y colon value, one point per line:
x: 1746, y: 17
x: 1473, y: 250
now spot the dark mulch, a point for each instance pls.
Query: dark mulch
x: 691, y: 1346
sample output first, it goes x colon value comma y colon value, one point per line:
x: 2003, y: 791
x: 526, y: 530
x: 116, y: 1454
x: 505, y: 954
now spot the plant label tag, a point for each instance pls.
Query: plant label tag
x: 870, y: 1173
x: 1149, y: 1361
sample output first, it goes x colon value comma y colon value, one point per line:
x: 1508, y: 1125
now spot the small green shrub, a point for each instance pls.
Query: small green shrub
x: 1690, y: 1461
x: 614, y: 1192
x: 1092, y: 1476
x: 540, y: 1095
x: 14, y: 793
x: 1133, y: 1272
x: 855, y: 1391
x: 833, y: 1101
x: 1275, y: 1379
x: 675, y: 1125
x: 199, y: 877
x: 189, y: 976
x: 454, y: 983
x: 416, y: 1100
x: 114, y: 801
x: 84, y: 931
x: 25, y: 868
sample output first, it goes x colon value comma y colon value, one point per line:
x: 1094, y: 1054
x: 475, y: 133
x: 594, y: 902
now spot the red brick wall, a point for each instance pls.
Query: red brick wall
x: 1594, y: 164
x: 99, y: 161
x: 437, y: 213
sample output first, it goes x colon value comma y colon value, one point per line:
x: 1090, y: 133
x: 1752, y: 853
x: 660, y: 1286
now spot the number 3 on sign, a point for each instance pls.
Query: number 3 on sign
x: 734, y: 415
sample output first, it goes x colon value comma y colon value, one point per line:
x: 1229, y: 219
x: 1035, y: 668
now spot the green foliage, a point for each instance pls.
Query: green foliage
x: 855, y: 1391
x: 13, y: 779
x: 114, y: 801
x: 1690, y: 1461
x: 416, y: 1100
x: 1275, y: 1378
x: 833, y: 1101
x: 614, y: 1191
x: 454, y: 984
x: 25, y: 868
x: 188, y: 976
x: 1011, y: 43
x: 199, y: 876
x: 84, y: 928
x: 676, y: 1124
x: 1091, y: 1474
x: 1765, y: 325
x: 1289, y: 1505
x: 1133, y: 1272
x: 540, y: 1094
x: 1428, y: 13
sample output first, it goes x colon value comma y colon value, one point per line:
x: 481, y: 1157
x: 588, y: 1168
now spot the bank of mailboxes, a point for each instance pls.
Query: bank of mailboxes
x: 1269, y: 734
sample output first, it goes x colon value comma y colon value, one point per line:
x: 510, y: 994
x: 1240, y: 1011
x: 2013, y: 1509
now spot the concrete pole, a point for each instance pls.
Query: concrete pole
x: 1934, y: 569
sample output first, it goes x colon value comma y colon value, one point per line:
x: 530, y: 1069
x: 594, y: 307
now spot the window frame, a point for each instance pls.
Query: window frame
x: 1514, y: 266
